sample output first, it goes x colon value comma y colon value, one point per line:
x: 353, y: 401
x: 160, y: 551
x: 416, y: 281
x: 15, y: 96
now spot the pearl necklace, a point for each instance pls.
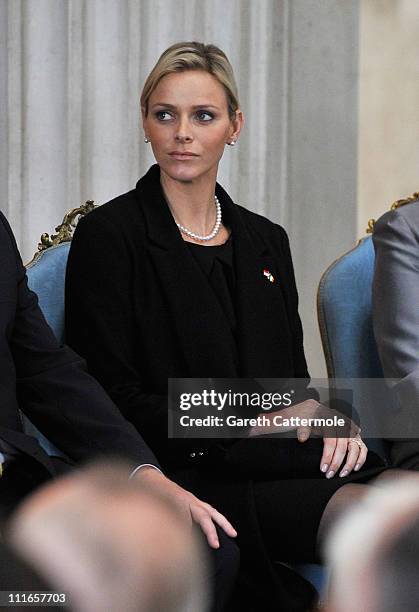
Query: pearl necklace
x: 215, y: 229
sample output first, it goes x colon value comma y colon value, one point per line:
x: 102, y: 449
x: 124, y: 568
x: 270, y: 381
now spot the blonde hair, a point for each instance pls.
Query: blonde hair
x: 193, y: 55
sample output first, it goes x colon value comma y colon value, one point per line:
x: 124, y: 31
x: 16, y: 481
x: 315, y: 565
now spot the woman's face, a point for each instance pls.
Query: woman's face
x: 188, y: 124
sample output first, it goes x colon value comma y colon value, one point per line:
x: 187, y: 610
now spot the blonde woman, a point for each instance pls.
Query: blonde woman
x: 169, y: 280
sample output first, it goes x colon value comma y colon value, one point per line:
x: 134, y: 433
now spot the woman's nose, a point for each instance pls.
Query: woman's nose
x: 184, y: 131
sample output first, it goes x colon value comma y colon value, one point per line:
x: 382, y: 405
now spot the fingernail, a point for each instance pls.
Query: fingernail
x: 357, y: 467
x: 330, y: 474
x: 325, y: 467
x: 344, y: 473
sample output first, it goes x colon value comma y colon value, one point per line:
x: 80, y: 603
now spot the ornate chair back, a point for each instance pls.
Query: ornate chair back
x: 46, y: 277
x: 344, y: 307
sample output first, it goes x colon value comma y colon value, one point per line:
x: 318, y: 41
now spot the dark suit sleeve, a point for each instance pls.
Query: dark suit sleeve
x: 101, y: 322
x: 55, y: 391
x: 396, y: 314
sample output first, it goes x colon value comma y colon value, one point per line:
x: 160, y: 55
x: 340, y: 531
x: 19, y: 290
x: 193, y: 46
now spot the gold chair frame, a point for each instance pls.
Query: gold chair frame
x: 64, y: 231
x: 320, y: 316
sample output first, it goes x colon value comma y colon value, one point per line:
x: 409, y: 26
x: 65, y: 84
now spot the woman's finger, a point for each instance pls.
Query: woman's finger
x: 352, y: 458
x: 329, y: 445
x: 362, y: 457
x: 338, y: 456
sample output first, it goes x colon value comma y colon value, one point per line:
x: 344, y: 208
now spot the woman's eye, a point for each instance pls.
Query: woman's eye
x: 204, y: 116
x: 163, y: 115
x: 201, y: 115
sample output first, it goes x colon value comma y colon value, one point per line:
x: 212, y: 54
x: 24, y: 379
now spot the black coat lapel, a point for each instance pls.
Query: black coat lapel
x: 263, y: 334
x: 202, y: 328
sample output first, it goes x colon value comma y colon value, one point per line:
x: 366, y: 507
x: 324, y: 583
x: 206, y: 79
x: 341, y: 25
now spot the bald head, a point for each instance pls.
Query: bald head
x: 373, y: 551
x: 111, y: 544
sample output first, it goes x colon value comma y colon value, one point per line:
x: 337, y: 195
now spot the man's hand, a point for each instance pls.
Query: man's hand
x: 192, y: 508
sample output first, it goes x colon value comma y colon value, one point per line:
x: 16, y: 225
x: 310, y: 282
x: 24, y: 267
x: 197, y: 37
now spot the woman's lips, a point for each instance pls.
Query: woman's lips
x: 183, y: 156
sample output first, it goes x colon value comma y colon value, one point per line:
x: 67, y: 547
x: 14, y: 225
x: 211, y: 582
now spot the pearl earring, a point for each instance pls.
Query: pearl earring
x: 146, y: 139
x: 232, y: 143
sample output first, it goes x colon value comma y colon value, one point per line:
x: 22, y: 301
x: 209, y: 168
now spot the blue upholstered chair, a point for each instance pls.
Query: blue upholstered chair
x: 344, y: 308
x: 46, y: 277
x: 345, y: 315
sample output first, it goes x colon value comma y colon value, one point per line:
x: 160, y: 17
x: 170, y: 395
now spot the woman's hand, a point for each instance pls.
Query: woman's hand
x: 336, y: 448
x: 193, y: 509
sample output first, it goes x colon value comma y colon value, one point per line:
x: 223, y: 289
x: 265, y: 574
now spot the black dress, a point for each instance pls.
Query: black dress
x: 143, y: 305
x: 289, y: 529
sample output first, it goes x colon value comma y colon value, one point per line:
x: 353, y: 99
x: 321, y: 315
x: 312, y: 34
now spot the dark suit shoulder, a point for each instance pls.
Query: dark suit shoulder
x: 4, y: 226
x: 120, y: 216
x: 7, y: 242
x: 112, y: 234
x: 116, y: 210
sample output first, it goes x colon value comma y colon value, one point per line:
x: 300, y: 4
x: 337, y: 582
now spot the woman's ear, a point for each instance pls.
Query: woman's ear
x: 237, y: 124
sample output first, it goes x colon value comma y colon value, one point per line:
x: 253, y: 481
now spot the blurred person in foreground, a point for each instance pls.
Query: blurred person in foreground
x: 373, y: 552
x: 16, y: 574
x: 112, y: 544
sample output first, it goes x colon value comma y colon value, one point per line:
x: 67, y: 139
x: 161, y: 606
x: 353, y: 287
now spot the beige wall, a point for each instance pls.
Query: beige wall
x: 70, y: 73
x: 388, y: 156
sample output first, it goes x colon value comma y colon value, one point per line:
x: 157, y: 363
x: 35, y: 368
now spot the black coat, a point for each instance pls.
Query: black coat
x: 140, y: 310
x: 49, y: 382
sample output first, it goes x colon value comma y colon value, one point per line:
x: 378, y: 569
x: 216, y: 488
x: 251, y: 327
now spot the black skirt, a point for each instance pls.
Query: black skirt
x: 276, y: 508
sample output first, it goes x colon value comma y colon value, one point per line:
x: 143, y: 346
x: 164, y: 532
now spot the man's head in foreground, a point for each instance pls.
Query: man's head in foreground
x: 374, y: 552
x: 111, y: 544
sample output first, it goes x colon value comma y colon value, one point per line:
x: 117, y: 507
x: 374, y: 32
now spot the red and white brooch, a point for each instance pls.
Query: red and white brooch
x: 269, y: 276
